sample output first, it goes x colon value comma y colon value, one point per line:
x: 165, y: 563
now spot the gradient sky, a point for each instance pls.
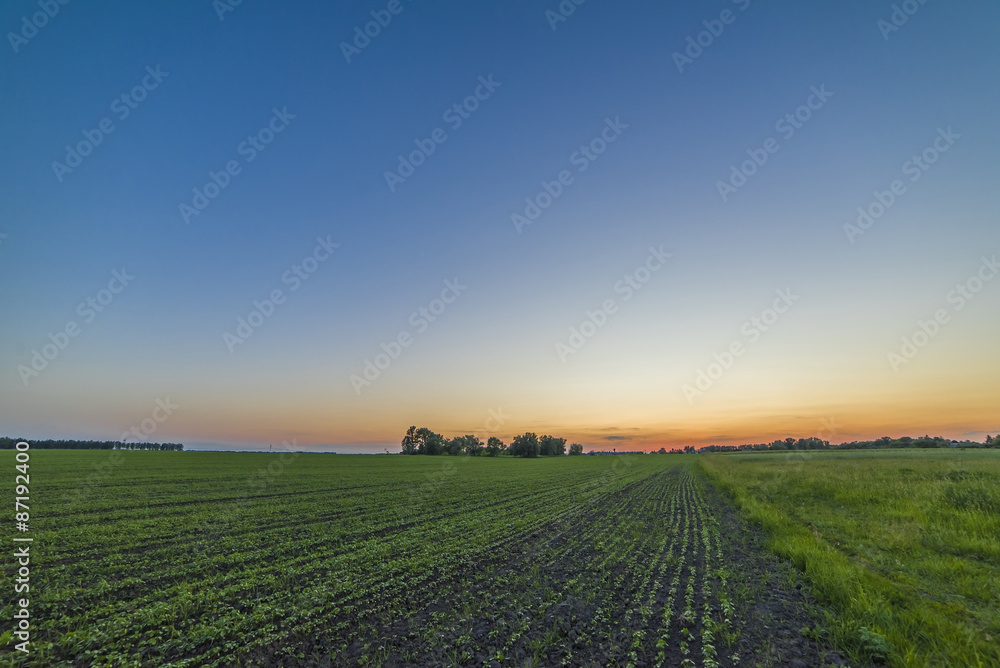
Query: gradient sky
x: 823, y: 368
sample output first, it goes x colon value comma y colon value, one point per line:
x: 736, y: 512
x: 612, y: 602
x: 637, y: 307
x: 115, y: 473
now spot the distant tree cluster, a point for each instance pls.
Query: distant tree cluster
x: 531, y: 445
x: 817, y: 444
x: 920, y: 442
x: 135, y: 445
x: 9, y: 443
x: 423, y: 441
x: 811, y: 443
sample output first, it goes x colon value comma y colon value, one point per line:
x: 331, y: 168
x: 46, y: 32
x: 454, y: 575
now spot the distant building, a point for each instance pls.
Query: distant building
x: 954, y: 444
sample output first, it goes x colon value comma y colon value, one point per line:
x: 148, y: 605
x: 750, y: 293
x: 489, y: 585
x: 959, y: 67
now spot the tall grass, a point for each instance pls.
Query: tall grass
x: 902, y: 546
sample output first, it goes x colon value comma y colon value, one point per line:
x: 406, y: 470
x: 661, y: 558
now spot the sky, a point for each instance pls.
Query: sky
x: 634, y: 224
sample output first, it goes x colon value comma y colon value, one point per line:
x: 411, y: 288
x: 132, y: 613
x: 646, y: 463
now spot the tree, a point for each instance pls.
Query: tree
x: 525, y: 445
x: 410, y: 441
x: 549, y: 446
x: 494, y: 447
x: 661, y: 451
x: 429, y: 443
x: 576, y: 449
x: 455, y: 446
x: 470, y: 445
x: 436, y: 444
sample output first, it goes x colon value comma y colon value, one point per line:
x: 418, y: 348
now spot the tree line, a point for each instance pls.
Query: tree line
x: 7, y: 443
x: 814, y: 443
x: 811, y: 443
x: 423, y: 441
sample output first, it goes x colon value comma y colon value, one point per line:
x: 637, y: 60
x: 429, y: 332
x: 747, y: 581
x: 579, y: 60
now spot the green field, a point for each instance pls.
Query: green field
x: 903, y: 543
x: 198, y: 559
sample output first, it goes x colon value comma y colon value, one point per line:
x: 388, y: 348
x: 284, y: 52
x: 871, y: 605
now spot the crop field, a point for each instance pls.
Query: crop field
x: 203, y: 559
x: 211, y: 559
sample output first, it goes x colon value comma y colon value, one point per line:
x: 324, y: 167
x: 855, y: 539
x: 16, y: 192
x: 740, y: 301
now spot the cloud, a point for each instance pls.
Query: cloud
x: 617, y: 438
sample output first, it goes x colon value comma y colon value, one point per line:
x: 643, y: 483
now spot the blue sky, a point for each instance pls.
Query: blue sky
x: 323, y: 176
